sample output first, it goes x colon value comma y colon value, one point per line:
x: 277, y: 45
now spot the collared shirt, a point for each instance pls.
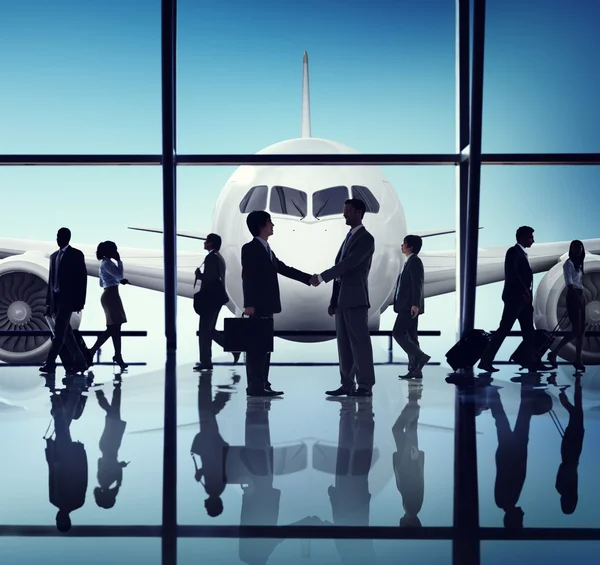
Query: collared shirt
x: 345, y: 244
x: 109, y: 273
x: 572, y: 275
x: 58, y: 259
x: 266, y: 246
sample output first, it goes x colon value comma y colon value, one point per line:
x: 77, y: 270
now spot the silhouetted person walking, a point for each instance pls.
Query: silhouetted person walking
x: 518, y: 305
x: 67, y: 459
x: 573, y: 275
x: 212, y: 296
x: 67, y: 286
x: 408, y: 460
x: 210, y: 446
x: 570, y: 449
x: 111, y: 275
x: 409, y: 304
x: 110, y: 469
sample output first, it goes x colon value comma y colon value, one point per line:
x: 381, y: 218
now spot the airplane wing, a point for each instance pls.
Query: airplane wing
x: 440, y: 266
x: 142, y: 267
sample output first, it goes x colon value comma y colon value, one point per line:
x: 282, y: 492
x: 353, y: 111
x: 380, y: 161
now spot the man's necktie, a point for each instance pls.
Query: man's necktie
x: 345, y: 244
x: 58, y: 258
x: 270, y: 252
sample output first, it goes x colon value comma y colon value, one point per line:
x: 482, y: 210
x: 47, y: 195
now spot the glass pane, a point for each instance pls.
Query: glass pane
x: 96, y: 420
x: 330, y: 201
x: 540, y: 93
x: 72, y: 551
x: 256, y: 199
x: 288, y: 201
x: 548, y: 551
x: 364, y: 194
x: 317, y: 551
x: 240, y: 447
x: 381, y: 77
x: 81, y: 77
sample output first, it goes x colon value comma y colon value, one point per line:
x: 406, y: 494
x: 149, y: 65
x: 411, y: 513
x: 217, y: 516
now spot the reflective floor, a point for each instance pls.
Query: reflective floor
x: 88, y: 452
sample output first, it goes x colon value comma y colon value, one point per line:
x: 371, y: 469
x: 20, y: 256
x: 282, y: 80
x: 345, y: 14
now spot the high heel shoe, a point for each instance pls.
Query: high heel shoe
x: 579, y: 367
x: 118, y: 360
x: 552, y: 360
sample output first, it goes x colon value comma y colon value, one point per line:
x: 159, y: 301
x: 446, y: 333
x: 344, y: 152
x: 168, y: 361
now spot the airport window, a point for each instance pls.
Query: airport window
x: 330, y: 201
x: 288, y: 201
x: 256, y: 199
x: 364, y: 194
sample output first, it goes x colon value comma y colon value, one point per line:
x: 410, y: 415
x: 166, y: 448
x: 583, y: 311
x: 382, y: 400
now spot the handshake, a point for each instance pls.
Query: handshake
x: 314, y: 280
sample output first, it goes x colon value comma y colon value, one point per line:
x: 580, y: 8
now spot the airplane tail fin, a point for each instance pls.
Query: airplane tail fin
x: 305, y: 119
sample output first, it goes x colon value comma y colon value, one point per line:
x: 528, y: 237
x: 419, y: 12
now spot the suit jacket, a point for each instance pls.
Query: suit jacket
x: 518, y: 276
x: 412, y: 287
x: 214, y: 269
x: 72, y: 280
x: 259, y: 278
x: 351, y: 274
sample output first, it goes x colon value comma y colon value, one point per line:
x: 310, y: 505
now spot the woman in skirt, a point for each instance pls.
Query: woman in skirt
x: 111, y: 276
x: 573, y: 273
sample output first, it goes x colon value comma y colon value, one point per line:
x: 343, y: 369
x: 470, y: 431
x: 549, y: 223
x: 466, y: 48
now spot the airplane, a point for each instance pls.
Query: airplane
x: 306, y: 204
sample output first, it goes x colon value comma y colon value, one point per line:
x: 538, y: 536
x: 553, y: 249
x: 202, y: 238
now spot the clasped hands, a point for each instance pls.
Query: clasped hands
x: 314, y: 280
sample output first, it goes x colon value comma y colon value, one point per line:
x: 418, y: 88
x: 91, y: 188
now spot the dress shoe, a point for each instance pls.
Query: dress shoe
x: 579, y: 367
x: 362, y: 392
x: 411, y: 375
x: 48, y: 368
x: 552, y: 360
x: 203, y: 367
x: 118, y: 360
x: 269, y: 389
x: 261, y: 393
x: 236, y: 356
x: 539, y: 367
x: 340, y: 392
x: 487, y: 367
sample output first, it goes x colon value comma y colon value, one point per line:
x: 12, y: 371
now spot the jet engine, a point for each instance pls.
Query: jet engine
x: 550, y: 306
x: 23, y: 284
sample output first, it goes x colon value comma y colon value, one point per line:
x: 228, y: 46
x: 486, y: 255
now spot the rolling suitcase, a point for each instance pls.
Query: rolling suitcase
x: 74, y: 354
x: 468, y: 350
x: 542, y: 340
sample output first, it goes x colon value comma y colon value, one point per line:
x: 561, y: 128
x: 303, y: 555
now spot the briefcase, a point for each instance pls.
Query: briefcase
x: 248, y: 334
x: 468, y: 350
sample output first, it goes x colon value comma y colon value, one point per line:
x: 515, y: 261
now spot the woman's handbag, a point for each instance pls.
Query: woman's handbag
x: 211, y: 294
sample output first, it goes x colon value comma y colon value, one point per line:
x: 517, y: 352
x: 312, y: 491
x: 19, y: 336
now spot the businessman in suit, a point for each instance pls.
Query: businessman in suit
x: 409, y: 304
x: 350, y: 304
x: 67, y: 286
x: 212, y: 293
x: 518, y: 304
x: 260, y: 286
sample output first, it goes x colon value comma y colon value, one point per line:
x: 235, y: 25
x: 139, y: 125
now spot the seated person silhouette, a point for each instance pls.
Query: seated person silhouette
x: 67, y: 459
x: 408, y: 460
x: 110, y: 469
x: 210, y: 446
x: 570, y: 449
x: 511, y: 455
x: 349, y: 496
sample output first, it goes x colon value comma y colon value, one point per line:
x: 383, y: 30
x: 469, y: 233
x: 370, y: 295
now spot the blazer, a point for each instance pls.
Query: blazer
x: 259, y: 278
x: 72, y: 281
x: 351, y: 274
x: 518, y: 276
x: 412, y: 287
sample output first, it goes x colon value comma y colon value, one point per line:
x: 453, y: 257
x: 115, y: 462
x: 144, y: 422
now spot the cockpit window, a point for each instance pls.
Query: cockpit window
x: 364, y: 194
x: 256, y: 199
x: 289, y: 201
x: 329, y: 201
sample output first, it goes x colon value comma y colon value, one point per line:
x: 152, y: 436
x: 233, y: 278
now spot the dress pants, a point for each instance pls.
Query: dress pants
x: 513, y: 310
x: 405, y: 332
x: 61, y: 321
x: 355, y: 350
x: 207, y: 334
x: 257, y: 369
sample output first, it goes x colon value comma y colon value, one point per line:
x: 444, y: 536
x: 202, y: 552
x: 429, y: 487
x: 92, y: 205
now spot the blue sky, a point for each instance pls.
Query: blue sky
x: 81, y: 77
